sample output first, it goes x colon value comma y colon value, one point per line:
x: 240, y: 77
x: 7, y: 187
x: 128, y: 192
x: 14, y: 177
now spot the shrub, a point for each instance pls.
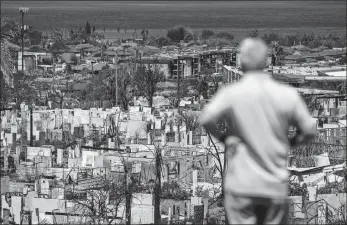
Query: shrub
x: 172, y: 190
x: 207, y: 34
x: 178, y: 34
x: 225, y: 35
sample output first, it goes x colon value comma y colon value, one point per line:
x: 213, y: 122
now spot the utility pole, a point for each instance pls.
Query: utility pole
x: 127, y: 194
x: 273, y: 55
x: 93, y: 82
x: 31, y: 126
x: 6, y: 156
x: 116, y: 80
x: 117, y: 133
x: 157, y: 187
x: 22, y: 11
x: 178, y: 97
x: 178, y: 81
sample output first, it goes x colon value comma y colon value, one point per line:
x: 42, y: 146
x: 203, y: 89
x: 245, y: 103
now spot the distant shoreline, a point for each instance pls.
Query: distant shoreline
x: 238, y: 33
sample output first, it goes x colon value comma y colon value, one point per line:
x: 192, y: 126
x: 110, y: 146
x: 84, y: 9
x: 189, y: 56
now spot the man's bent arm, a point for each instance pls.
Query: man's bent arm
x: 301, y: 119
x: 212, y: 128
x: 213, y: 113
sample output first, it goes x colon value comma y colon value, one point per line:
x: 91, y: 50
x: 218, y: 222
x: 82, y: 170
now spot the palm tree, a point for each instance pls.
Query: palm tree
x: 342, y: 87
x: 8, y: 32
x: 144, y: 33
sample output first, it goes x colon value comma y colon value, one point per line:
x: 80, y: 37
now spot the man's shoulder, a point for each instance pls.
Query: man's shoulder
x: 284, y: 89
x: 231, y: 91
x: 235, y: 87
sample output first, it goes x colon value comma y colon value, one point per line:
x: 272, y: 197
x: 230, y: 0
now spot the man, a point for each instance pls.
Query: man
x: 258, y: 110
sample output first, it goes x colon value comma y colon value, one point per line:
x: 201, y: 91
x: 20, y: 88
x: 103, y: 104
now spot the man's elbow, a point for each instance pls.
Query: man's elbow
x: 309, y: 135
x: 207, y: 124
x: 204, y: 120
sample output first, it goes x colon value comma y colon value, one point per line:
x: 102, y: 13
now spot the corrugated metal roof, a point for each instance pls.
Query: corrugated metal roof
x: 337, y: 73
x: 316, y: 91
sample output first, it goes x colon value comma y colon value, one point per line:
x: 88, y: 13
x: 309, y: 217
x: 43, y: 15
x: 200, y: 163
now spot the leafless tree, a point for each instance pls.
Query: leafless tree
x: 201, y: 84
x: 42, y: 88
x: 190, y: 119
x: 147, y: 79
x: 99, y: 204
x: 212, y: 193
x: 173, y: 97
x: 125, y: 85
x: 55, y: 93
x: 105, y: 85
x: 216, y: 153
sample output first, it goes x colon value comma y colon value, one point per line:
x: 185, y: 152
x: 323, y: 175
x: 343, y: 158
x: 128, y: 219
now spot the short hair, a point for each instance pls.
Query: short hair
x: 253, y: 54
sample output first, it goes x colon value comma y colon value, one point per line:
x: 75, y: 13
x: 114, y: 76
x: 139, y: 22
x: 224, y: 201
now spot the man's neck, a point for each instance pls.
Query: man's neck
x: 255, y: 73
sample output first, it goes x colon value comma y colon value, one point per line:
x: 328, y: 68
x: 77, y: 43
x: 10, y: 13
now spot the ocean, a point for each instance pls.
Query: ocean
x: 158, y: 16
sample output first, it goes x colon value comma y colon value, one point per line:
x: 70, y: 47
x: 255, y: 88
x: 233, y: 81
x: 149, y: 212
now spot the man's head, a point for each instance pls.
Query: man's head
x: 253, y: 54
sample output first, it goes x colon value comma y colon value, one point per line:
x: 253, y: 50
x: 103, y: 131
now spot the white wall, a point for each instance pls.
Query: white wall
x: 88, y: 158
x: 142, y: 214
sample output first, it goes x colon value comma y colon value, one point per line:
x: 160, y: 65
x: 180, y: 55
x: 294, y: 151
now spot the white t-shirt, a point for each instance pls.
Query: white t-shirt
x: 259, y: 110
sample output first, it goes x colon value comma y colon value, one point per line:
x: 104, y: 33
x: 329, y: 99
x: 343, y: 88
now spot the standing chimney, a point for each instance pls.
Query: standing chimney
x: 149, y: 141
x: 195, y: 180
x: 163, y: 139
x: 31, y: 127
x: 190, y: 137
x: 6, y: 155
x: 185, y: 138
x: 169, y: 217
x: 290, y: 160
x: 14, y: 142
x: 177, y: 136
x: 42, y: 137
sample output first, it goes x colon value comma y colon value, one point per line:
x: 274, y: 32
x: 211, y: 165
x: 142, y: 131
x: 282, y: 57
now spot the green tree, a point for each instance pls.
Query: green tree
x: 206, y: 34
x: 162, y: 41
x: 201, y: 192
x: 87, y: 29
x: 254, y: 33
x: 35, y: 37
x: 178, y: 34
x: 172, y: 190
x: 5, y: 93
x: 268, y: 38
x: 189, y: 36
x: 225, y: 35
x: 342, y: 87
x: 144, y: 33
x: 22, y: 91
